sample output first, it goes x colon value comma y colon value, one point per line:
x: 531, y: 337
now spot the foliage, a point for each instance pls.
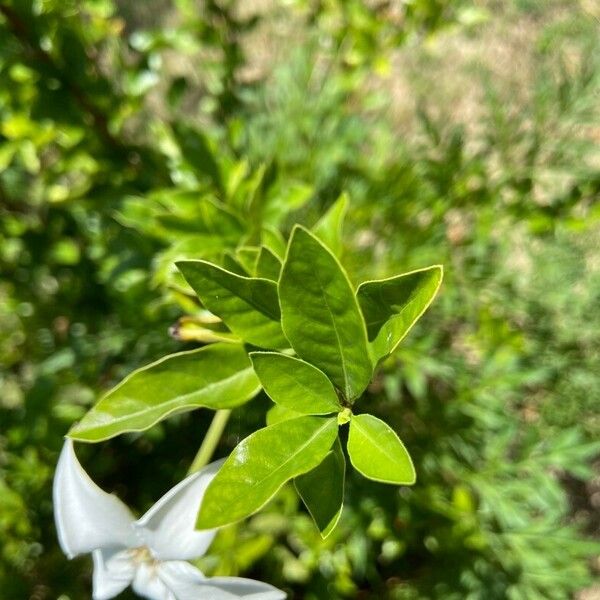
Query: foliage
x: 118, y: 159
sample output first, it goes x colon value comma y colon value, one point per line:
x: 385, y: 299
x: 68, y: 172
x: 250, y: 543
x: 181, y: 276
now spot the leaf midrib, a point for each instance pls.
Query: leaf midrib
x: 373, y: 440
x: 168, y: 403
x: 337, y: 337
x: 311, y: 392
x: 287, y: 460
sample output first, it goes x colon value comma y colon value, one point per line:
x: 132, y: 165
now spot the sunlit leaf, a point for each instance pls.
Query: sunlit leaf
x: 376, y: 451
x: 216, y: 376
x: 248, y: 306
x: 261, y: 464
x: 330, y: 226
x: 278, y: 413
x: 268, y: 265
x: 392, y: 306
x: 320, y: 315
x: 295, y: 384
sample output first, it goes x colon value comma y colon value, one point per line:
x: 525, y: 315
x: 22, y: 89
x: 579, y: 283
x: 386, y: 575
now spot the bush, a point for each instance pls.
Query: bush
x: 109, y: 117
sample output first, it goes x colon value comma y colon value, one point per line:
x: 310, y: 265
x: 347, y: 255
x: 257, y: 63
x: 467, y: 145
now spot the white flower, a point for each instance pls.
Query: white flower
x: 149, y: 553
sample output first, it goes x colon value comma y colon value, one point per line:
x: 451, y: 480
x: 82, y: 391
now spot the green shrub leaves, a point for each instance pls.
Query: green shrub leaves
x: 320, y: 315
x: 304, y: 305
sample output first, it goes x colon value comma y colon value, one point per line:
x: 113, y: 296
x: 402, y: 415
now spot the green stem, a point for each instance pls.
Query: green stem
x: 210, y: 441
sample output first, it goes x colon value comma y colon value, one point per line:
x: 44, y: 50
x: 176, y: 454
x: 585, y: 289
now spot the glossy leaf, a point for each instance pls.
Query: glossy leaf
x: 268, y: 265
x: 216, y: 376
x: 248, y: 306
x: 392, y: 306
x: 320, y: 315
x: 295, y: 384
x: 330, y: 226
x: 376, y: 451
x: 261, y: 464
x: 278, y: 413
x: 322, y: 490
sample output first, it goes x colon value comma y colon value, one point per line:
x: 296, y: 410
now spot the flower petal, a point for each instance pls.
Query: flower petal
x: 86, y: 517
x: 113, y: 572
x: 168, y: 528
x: 148, y: 584
x: 187, y: 583
x: 239, y: 587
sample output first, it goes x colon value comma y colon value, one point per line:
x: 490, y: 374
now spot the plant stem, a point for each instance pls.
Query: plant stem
x: 210, y: 441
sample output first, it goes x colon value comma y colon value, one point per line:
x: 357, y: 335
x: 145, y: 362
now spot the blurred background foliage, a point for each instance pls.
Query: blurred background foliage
x: 465, y: 133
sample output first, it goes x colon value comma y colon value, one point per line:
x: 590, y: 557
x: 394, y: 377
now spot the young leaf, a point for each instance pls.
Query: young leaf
x: 273, y: 240
x: 376, y: 452
x: 247, y: 256
x: 261, y: 464
x: 392, y: 306
x: 196, y: 150
x: 248, y: 306
x: 216, y: 376
x: 208, y: 218
x: 320, y: 315
x: 230, y: 263
x: 329, y: 227
x: 322, y: 490
x: 295, y: 384
x: 268, y: 265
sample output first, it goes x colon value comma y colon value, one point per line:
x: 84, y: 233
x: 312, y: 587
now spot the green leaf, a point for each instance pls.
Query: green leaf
x: 283, y: 199
x: 261, y: 464
x: 376, y: 451
x: 320, y: 315
x: 330, y: 226
x: 207, y: 217
x: 216, y: 376
x: 295, y: 384
x: 248, y: 306
x: 278, y: 413
x: 247, y: 256
x: 273, y: 240
x: 392, y: 306
x: 322, y: 490
x: 230, y: 263
x: 268, y: 265
x: 196, y: 150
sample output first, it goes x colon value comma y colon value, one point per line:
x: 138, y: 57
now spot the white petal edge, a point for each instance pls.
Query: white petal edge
x: 240, y: 587
x: 168, y: 528
x: 86, y: 517
x: 148, y: 584
x: 113, y: 572
x: 187, y: 583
